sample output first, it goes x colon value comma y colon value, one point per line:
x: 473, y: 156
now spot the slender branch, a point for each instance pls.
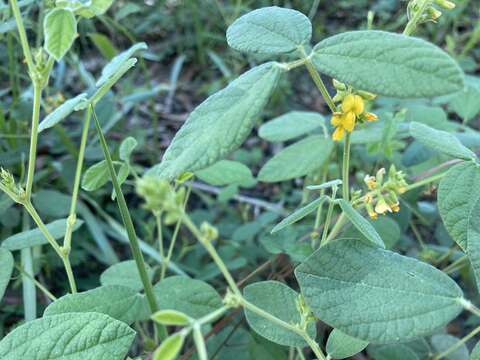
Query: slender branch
x: 320, y: 85
x: 37, y: 97
x: 23, y: 37
x: 458, y: 344
x: 345, y: 168
x: 36, y: 282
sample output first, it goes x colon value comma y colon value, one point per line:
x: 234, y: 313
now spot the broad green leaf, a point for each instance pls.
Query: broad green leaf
x: 126, y: 148
x: 6, y: 268
x: 169, y: 348
x: 341, y: 346
x: 475, y: 355
x: 35, y: 237
x: 95, y: 8
x: 72, y: 336
x: 192, y: 297
x: 270, y: 30
x: 466, y: 103
x: 117, y: 64
x: 60, y: 29
x: 441, y: 141
x: 384, y: 297
x: 226, y: 172
x: 459, y: 205
x: 62, y: 112
x: 171, y: 318
x: 297, y: 160
x: 280, y: 301
x: 362, y: 225
x: 125, y: 273
x: 393, y: 352
x: 119, y: 302
x: 220, y: 124
x: 377, y: 61
x: 299, y: 214
x: 291, y: 125
x: 442, y: 342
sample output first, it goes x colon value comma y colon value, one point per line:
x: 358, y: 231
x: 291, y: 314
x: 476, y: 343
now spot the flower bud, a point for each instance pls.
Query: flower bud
x: 339, y: 85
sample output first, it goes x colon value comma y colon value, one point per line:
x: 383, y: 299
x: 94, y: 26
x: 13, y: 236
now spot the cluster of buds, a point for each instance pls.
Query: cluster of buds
x: 352, y: 109
x: 161, y: 197
x: 382, y: 196
x: 431, y: 12
x: 17, y: 193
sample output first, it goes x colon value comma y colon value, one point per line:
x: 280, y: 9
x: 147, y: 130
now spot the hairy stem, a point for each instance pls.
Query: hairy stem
x: 458, y: 344
x: 23, y: 37
x: 345, y: 168
x: 37, y: 98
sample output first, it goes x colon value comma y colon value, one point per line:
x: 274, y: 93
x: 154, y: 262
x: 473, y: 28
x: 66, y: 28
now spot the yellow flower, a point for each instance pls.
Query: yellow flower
x: 371, y: 116
x: 395, y: 207
x: 342, y: 122
x: 382, y: 206
x: 370, y: 181
x: 353, y: 103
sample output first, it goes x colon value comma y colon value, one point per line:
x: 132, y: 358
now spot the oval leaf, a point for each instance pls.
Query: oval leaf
x: 169, y: 348
x: 281, y: 301
x: 385, y: 297
x: 171, y: 318
x: 62, y: 112
x: 291, y: 125
x: 270, y: 30
x: 73, y: 336
x: 377, y: 61
x: 6, y: 268
x: 220, y: 124
x: 60, y: 28
x: 341, y: 346
x: 125, y: 273
x: 35, y: 237
x: 361, y: 224
x: 441, y: 141
x: 119, y: 302
x: 226, y: 172
x: 297, y: 160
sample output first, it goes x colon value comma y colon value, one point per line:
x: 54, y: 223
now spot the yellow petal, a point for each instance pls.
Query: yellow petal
x: 382, y: 207
x: 336, y: 120
x: 358, y: 105
x: 371, y: 117
x: 338, y: 134
x: 348, y: 103
x: 348, y: 121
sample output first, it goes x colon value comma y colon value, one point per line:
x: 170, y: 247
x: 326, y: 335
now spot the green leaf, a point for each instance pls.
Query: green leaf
x: 299, y: 214
x: 125, y: 273
x: 459, y: 205
x: 35, y: 237
x: 226, y: 172
x: 169, y: 348
x: 60, y: 28
x: 117, y: 64
x: 220, y: 124
x: 119, y: 302
x: 98, y: 175
x: 282, y: 302
x: 377, y: 61
x: 192, y: 297
x: 384, y: 297
x: 126, y: 148
x: 329, y: 184
x: 104, y: 45
x: 297, y: 160
x: 270, y: 30
x: 171, y: 318
x: 441, y: 141
x: 341, y: 346
x: 465, y: 103
x: 6, y: 268
x: 62, y: 112
x: 362, y: 225
x: 291, y: 125
x: 393, y: 352
x: 95, y: 8
x: 72, y: 336
x: 443, y: 342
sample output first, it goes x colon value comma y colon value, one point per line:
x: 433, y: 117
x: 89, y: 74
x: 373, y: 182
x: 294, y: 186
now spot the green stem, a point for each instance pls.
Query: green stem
x: 345, y: 168
x: 413, y: 22
x: 458, y: 344
x: 158, y: 220
x: 127, y: 221
x: 42, y: 288
x: 212, y: 252
x: 23, y: 37
x: 328, y: 219
x: 425, y: 181
x: 319, y: 83
x: 37, y: 96
x: 72, y: 218
x: 311, y: 342
x: 337, y: 227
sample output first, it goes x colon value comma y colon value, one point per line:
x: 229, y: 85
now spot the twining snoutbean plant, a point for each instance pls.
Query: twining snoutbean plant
x: 347, y: 278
